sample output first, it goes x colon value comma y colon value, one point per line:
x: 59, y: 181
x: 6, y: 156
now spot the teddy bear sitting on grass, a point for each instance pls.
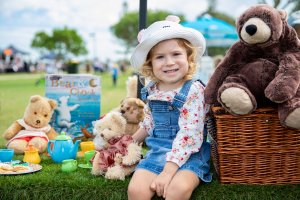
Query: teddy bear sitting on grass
x: 116, y: 152
x: 33, y: 128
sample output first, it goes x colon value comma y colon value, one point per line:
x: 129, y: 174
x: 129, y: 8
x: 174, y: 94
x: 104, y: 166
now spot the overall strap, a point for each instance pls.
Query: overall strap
x: 144, y: 91
x: 201, y: 82
x: 180, y: 97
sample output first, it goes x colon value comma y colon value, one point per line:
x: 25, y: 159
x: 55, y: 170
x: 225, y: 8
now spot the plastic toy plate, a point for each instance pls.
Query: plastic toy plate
x: 12, y: 169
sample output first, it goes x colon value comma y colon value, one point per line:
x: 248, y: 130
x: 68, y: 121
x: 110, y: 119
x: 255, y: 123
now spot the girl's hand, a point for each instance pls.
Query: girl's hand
x: 140, y: 135
x: 162, y: 181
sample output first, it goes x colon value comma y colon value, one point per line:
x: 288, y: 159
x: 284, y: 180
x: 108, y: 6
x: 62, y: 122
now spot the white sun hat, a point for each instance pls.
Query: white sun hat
x: 164, y: 30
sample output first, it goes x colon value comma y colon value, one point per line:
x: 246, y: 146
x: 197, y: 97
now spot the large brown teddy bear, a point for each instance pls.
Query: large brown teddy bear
x: 34, y: 128
x: 262, y: 68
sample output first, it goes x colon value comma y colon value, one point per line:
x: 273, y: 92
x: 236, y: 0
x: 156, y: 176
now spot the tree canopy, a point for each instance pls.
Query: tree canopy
x: 62, y: 42
x: 279, y: 4
x: 126, y: 29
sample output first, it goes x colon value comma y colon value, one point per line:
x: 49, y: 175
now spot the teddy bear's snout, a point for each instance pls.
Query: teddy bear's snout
x: 122, y: 111
x: 251, y: 29
x: 38, y: 121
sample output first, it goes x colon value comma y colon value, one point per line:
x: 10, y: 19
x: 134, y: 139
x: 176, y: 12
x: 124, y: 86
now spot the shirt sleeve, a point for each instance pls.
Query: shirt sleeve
x: 191, y: 123
x: 147, y: 123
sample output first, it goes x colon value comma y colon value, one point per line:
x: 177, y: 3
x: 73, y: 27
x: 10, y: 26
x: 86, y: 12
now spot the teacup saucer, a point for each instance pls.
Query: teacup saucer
x: 85, y: 166
x: 12, y: 162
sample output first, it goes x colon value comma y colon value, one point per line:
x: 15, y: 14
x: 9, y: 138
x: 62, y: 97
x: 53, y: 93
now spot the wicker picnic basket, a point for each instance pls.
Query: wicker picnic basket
x: 254, y: 148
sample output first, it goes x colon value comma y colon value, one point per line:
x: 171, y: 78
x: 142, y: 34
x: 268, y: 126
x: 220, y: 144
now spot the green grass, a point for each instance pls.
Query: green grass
x: 16, y: 89
x: 51, y: 183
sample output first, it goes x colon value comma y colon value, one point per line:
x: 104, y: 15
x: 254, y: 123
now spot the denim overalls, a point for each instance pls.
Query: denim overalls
x: 165, y: 117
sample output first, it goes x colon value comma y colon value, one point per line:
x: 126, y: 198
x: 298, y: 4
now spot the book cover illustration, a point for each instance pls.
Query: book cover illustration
x: 78, y: 97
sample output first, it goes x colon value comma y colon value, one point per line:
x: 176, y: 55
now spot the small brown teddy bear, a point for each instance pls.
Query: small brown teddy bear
x: 34, y: 128
x: 132, y: 86
x: 261, y: 69
x: 116, y: 152
x: 132, y: 110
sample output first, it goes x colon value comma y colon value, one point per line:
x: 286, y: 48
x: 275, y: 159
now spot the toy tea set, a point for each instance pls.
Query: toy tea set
x: 8, y: 166
x: 62, y: 151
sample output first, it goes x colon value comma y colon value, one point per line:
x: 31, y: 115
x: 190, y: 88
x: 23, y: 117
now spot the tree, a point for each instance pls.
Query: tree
x: 211, y: 10
x: 62, y: 42
x: 279, y: 4
x: 126, y: 29
x: 296, y: 6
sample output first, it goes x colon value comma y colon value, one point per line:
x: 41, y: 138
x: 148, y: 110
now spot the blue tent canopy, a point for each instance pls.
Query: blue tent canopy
x: 49, y: 56
x: 15, y: 50
x: 217, y: 33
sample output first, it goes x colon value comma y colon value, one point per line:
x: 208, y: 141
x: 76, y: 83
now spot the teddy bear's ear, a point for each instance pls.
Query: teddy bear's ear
x: 140, y: 103
x: 117, y: 118
x: 35, y: 98
x: 283, y: 14
x: 52, y: 103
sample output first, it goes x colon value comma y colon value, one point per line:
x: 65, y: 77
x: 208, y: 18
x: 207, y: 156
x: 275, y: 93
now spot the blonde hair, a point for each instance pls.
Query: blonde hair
x: 147, y: 70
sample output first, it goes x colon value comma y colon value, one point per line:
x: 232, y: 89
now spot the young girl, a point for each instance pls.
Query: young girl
x: 178, y: 156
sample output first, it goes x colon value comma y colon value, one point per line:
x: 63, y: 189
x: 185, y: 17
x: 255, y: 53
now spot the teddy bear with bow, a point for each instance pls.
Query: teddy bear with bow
x: 262, y: 68
x: 33, y: 128
x: 116, y: 152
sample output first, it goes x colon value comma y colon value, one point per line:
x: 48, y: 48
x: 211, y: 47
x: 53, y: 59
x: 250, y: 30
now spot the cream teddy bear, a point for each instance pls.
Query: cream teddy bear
x: 116, y: 152
x: 34, y: 127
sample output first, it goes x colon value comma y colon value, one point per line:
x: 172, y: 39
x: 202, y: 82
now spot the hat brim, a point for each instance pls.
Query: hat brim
x: 140, y: 53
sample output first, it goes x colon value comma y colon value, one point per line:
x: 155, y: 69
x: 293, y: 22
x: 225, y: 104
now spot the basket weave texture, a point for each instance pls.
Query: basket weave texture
x: 254, y: 148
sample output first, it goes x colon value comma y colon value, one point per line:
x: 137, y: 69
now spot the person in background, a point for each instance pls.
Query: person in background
x: 115, y: 73
x: 217, y: 59
x: 173, y: 127
x: 294, y: 21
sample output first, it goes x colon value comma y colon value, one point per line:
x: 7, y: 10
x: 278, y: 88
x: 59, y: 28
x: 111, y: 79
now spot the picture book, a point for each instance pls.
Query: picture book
x: 78, y: 97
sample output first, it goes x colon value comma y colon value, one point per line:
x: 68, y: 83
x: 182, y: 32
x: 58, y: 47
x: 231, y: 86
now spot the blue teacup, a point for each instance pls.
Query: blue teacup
x: 6, y: 155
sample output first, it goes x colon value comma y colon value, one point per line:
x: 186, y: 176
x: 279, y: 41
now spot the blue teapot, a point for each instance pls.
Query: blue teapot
x: 62, y: 148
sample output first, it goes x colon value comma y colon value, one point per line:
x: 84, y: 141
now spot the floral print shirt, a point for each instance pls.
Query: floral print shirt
x: 191, y: 121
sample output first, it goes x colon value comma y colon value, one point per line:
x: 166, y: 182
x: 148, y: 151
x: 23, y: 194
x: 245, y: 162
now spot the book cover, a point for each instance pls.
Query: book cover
x: 78, y: 97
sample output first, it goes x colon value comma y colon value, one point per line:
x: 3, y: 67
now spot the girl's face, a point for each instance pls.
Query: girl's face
x: 170, y: 64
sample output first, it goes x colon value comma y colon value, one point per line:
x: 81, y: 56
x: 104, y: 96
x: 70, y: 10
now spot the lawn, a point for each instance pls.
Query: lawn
x: 51, y: 183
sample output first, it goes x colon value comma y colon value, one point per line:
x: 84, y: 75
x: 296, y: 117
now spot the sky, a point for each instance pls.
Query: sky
x: 21, y: 19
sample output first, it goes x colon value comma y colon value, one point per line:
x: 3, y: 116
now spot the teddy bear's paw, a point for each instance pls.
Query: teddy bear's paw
x: 133, y: 154
x: 127, y: 160
x: 131, y: 159
x: 97, y: 172
x: 237, y: 101
x: 18, y: 146
x: 118, y: 158
x: 8, y: 134
x: 39, y: 143
x: 293, y: 119
x: 115, y: 172
x: 278, y: 95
